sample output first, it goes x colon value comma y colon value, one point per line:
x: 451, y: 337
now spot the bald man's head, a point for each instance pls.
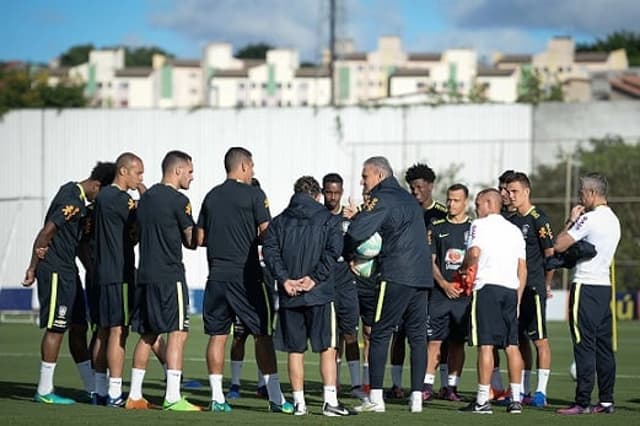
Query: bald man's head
x: 488, y: 201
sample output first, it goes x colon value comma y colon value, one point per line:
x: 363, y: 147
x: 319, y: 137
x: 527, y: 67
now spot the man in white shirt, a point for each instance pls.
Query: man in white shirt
x: 496, y: 251
x: 590, y: 316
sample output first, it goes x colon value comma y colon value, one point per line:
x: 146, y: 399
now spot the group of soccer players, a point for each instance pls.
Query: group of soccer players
x: 98, y: 221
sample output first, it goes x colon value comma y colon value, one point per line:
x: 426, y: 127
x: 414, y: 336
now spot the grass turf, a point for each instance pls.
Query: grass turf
x: 19, y: 364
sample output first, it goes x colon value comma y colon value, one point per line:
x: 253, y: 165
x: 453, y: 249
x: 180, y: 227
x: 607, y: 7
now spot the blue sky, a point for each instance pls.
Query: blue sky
x: 39, y: 30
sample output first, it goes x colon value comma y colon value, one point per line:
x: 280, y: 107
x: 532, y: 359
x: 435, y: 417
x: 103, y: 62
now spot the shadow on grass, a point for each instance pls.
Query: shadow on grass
x: 19, y: 391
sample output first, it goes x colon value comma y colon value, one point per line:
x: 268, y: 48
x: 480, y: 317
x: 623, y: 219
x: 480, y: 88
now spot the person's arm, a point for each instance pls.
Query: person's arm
x: 262, y: 230
x: 187, y: 225
x: 272, y: 254
x: 446, y: 286
x: 565, y: 239
x: 41, y: 242
x: 365, y: 224
x: 522, y: 278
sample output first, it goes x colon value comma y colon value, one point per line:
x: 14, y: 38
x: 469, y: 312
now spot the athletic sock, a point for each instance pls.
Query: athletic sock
x: 330, y: 395
x: 354, y: 372
x: 87, y: 375
x: 298, y: 398
x: 453, y: 380
x: 115, y: 387
x: 429, y: 379
x: 215, y: 381
x: 45, y: 384
x: 236, y: 372
x: 444, y: 373
x: 338, y: 371
x: 365, y: 374
x: 260, y: 379
x: 396, y: 375
x: 543, y: 379
x: 496, y: 380
x: 526, y: 380
x: 137, y: 377
x: 376, y: 396
x: 102, y: 384
x: 273, y: 388
x: 173, y: 386
x: 483, y: 394
x: 515, y: 392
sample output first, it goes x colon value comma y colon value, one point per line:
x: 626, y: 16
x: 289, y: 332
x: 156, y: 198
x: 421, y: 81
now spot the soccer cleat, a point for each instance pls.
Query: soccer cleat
x: 357, y: 392
x: 395, y: 392
x: 415, y: 402
x: 526, y: 398
x: 335, y: 410
x: 118, y: 402
x: 502, y: 397
x: 52, y: 398
x: 452, y: 394
x: 475, y: 408
x: 87, y: 398
x: 539, y: 400
x: 138, y: 404
x: 285, y: 408
x: 514, y: 408
x: 573, y: 410
x: 368, y: 406
x: 427, y: 392
x: 261, y: 392
x: 601, y: 409
x: 442, y: 393
x: 301, y: 410
x: 100, y: 400
x: 234, y: 392
x: 180, y: 405
x: 219, y: 407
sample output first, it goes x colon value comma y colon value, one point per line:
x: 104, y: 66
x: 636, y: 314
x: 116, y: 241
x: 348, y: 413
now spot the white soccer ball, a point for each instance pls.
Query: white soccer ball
x: 370, y: 248
x: 573, y: 372
x: 364, y: 268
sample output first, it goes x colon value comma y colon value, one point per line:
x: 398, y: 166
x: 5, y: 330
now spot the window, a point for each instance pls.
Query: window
x: 253, y: 85
x: 264, y: 102
x: 240, y: 85
x: 124, y: 85
x: 420, y: 85
x: 288, y: 85
x: 279, y: 85
x: 239, y: 104
x: 193, y: 91
x: 263, y: 85
x: 304, y: 103
x: 99, y: 85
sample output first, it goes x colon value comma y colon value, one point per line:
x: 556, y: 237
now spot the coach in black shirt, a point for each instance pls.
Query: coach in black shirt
x: 405, y: 273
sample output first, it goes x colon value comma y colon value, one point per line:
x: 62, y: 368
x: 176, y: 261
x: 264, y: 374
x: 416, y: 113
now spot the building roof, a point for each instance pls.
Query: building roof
x: 192, y: 63
x: 353, y: 56
x: 250, y: 63
x: 134, y: 72
x: 410, y: 72
x: 514, y: 59
x: 494, y: 72
x: 628, y: 84
x: 591, y: 56
x: 431, y: 57
x: 312, y: 72
x: 58, y: 72
x: 241, y: 73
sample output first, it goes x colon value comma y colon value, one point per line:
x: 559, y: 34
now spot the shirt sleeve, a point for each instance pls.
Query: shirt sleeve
x: 366, y: 223
x: 185, y: 218
x: 476, y: 234
x: 261, y: 207
x: 68, y: 210
x: 582, y: 227
x: 544, y: 233
x: 203, y: 215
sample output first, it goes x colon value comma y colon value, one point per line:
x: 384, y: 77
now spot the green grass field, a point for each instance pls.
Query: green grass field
x: 19, y: 365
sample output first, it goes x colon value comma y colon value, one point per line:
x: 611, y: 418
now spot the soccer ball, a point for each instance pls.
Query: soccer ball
x: 364, y: 268
x: 573, y: 372
x: 370, y: 248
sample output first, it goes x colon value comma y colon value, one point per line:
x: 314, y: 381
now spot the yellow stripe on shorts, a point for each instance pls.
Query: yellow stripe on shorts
x: 539, y: 317
x: 266, y: 303
x: 576, y: 303
x: 474, y: 319
x: 180, y: 306
x: 125, y: 302
x: 53, y: 299
x: 383, y: 288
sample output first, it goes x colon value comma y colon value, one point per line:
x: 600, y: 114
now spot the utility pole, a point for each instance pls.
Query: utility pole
x: 332, y: 48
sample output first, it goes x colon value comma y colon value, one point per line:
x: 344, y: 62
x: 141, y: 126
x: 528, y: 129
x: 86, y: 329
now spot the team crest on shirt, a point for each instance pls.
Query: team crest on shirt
x: 69, y: 211
x: 370, y: 204
x: 131, y: 204
x: 62, y: 311
x: 525, y: 230
x: 266, y: 203
x: 545, y: 232
x: 187, y: 209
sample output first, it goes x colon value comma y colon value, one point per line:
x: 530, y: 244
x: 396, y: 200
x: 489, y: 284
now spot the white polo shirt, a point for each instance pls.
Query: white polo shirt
x: 601, y: 228
x: 501, y: 245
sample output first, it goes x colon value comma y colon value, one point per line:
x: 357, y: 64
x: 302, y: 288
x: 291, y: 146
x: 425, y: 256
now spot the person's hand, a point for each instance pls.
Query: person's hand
x: 41, y: 252
x: 141, y: 188
x: 549, y: 292
x: 451, y: 291
x: 577, y: 211
x: 291, y: 287
x: 306, y: 283
x: 350, y: 210
x: 29, y: 277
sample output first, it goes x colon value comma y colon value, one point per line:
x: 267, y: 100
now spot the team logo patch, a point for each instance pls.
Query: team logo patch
x: 370, y: 204
x: 131, y: 204
x: 266, y: 203
x: 581, y: 221
x: 69, y: 211
x: 525, y: 230
x: 62, y: 311
x: 545, y: 232
x: 187, y: 209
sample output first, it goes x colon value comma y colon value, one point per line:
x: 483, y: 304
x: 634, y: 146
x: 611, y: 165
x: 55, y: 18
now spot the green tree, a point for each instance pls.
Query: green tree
x: 254, y: 51
x: 628, y: 40
x: 142, y: 56
x: 76, y: 55
x: 618, y: 161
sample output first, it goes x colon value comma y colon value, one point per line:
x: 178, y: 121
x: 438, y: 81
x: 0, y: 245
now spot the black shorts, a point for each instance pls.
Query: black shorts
x: 494, y: 316
x: 367, y: 299
x: 239, y: 329
x: 346, y: 304
x: 161, y: 307
x: 448, y: 319
x: 533, y: 317
x: 61, y: 299
x: 296, y: 326
x: 226, y: 300
x: 115, y: 304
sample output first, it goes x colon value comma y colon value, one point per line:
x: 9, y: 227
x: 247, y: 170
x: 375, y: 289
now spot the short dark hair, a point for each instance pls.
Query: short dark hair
x: 104, y: 172
x: 307, y: 185
x: 504, y: 176
x: 459, y: 187
x: 331, y: 178
x: 519, y: 177
x: 172, y: 158
x: 234, y: 157
x: 125, y: 159
x: 420, y: 171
